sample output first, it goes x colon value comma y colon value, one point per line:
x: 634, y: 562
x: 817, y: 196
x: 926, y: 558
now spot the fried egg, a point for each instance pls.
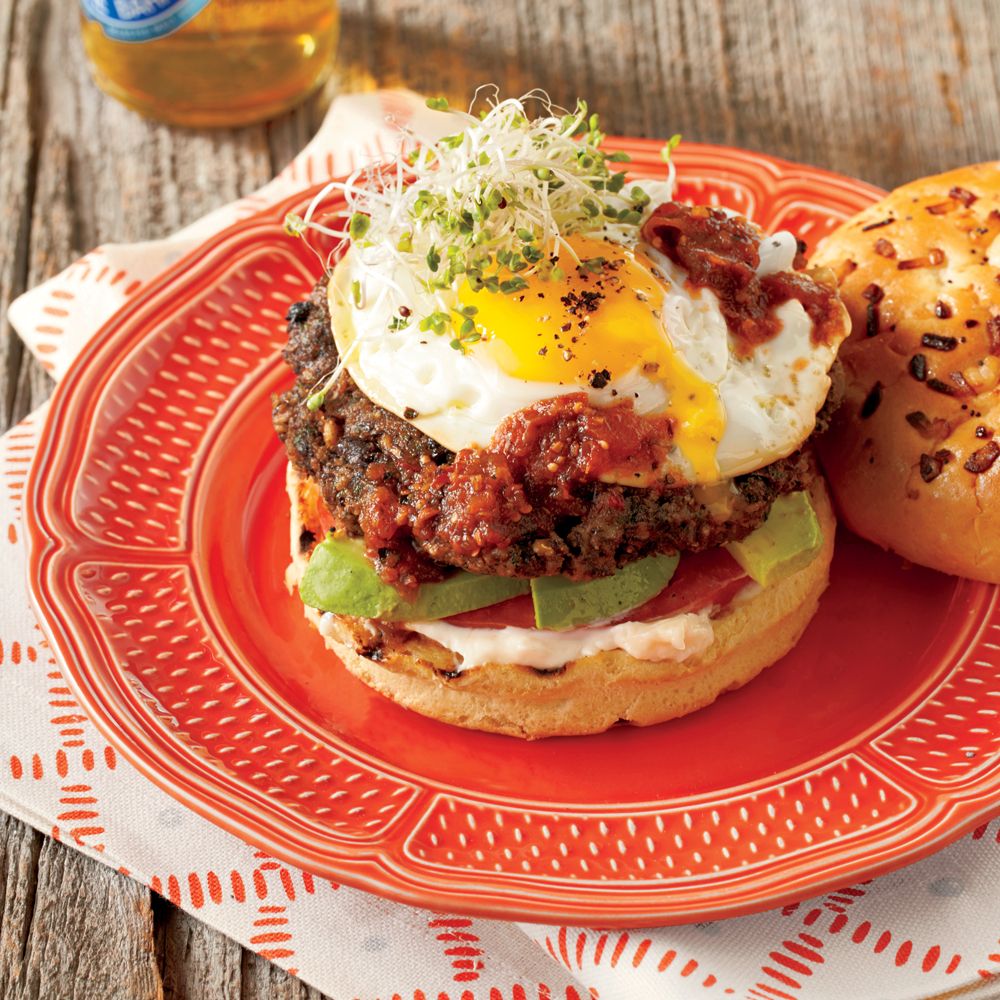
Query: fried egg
x: 629, y: 329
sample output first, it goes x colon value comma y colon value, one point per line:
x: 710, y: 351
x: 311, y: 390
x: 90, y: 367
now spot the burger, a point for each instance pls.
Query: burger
x: 549, y: 435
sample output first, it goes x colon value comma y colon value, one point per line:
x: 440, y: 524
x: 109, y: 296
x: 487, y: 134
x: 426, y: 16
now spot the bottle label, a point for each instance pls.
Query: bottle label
x: 141, y: 20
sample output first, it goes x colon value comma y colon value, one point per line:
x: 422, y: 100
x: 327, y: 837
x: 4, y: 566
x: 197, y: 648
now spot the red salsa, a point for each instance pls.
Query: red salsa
x: 720, y: 252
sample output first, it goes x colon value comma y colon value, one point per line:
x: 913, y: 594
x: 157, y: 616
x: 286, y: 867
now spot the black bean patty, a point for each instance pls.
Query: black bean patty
x: 421, y: 513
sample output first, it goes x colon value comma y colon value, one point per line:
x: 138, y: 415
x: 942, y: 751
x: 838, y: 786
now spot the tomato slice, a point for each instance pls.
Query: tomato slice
x: 708, y: 578
x: 518, y: 612
x: 315, y: 515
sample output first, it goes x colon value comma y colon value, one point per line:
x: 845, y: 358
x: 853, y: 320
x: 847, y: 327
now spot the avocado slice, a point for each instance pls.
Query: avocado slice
x: 456, y: 594
x: 340, y: 578
x: 562, y: 604
x: 785, y: 543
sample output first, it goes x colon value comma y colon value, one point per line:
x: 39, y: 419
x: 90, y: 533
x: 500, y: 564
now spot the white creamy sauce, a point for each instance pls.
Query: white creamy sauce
x: 777, y: 253
x: 675, y: 639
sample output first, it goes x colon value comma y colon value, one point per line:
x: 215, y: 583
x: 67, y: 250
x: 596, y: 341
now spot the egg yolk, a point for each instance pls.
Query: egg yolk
x: 600, y: 321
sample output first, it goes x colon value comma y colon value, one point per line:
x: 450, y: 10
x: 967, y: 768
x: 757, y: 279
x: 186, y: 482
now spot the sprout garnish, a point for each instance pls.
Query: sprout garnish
x: 490, y: 204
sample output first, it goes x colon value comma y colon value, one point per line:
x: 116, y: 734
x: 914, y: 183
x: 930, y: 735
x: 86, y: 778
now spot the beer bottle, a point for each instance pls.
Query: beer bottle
x: 209, y: 62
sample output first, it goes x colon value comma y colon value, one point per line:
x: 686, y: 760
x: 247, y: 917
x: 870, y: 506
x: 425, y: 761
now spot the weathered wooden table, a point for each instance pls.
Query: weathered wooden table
x: 882, y: 90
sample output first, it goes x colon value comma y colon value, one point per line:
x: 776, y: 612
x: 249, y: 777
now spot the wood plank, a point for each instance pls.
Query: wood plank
x: 91, y: 932
x: 263, y: 980
x: 19, y: 850
x: 69, y: 927
x: 17, y: 179
x: 880, y: 90
x: 194, y: 960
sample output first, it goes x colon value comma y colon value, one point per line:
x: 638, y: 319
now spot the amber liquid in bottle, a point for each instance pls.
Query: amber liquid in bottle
x: 236, y: 61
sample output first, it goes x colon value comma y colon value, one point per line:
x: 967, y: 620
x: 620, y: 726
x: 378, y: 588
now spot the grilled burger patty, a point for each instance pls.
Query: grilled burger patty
x: 422, y: 509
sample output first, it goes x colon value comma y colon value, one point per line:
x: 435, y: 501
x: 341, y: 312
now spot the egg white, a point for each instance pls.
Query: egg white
x: 770, y: 398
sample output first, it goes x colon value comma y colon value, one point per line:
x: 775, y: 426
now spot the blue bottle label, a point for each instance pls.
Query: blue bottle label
x: 141, y: 20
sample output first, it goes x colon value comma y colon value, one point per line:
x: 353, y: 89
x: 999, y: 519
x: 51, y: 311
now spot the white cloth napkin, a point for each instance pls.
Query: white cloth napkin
x: 931, y: 928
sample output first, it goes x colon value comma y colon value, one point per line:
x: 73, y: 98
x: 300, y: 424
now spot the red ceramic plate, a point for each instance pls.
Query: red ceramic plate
x: 159, y: 528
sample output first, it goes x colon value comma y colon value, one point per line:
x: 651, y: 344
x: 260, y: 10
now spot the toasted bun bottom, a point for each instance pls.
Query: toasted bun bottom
x: 588, y: 695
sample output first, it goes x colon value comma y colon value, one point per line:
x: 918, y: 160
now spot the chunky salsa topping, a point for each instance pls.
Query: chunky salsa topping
x: 541, y: 454
x: 720, y: 252
x: 568, y: 439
